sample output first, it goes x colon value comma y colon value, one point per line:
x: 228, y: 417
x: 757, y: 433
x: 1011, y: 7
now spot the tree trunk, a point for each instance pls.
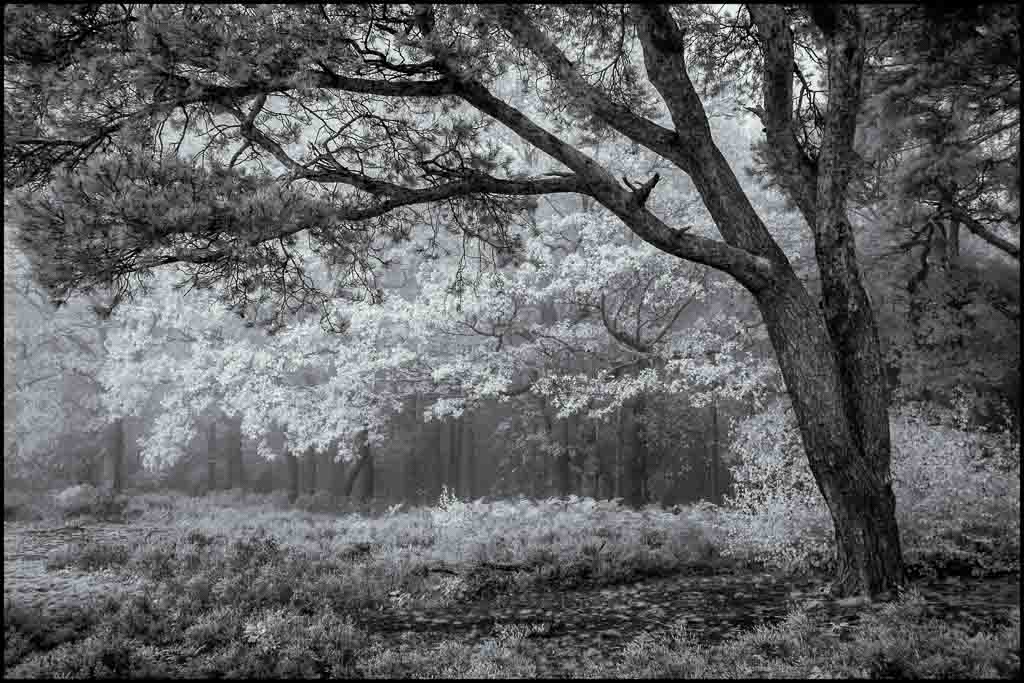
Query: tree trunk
x: 410, y: 475
x: 437, y: 432
x: 617, y: 487
x: 211, y: 457
x: 636, y: 494
x: 454, y: 454
x: 311, y: 456
x: 563, y: 472
x: 469, y: 456
x: 715, y: 460
x: 846, y: 441
x: 366, y: 462
x: 355, y: 469
x: 232, y: 447
x: 294, y: 483
x: 113, y: 460
x: 337, y: 470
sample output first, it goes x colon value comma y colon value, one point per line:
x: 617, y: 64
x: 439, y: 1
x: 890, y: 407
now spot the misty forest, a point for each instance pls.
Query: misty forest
x: 389, y: 341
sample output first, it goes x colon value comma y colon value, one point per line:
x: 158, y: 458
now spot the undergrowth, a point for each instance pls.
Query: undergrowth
x: 244, y: 585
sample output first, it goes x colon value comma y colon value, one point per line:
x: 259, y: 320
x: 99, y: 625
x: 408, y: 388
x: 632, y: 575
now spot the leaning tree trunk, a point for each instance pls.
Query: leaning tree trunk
x: 847, y: 446
x: 830, y: 358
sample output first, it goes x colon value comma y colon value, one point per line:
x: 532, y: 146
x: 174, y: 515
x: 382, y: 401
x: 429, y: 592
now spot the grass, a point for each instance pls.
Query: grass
x: 246, y: 586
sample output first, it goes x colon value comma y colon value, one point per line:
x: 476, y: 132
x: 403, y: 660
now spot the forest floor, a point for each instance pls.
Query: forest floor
x: 592, y: 628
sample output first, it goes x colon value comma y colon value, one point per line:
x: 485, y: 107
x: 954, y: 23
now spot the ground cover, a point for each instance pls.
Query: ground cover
x: 244, y: 585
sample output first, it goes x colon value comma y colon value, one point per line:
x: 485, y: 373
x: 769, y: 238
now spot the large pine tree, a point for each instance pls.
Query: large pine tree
x: 214, y: 136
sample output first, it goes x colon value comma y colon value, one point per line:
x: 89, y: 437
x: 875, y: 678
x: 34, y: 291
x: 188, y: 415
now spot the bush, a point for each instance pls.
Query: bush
x: 89, y: 557
x: 86, y: 500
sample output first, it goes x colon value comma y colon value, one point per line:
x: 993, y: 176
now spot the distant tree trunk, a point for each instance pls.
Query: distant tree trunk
x: 113, y: 461
x: 411, y: 470
x: 232, y: 448
x: 437, y: 432
x: 311, y: 456
x: 636, y: 494
x: 617, y: 487
x: 563, y: 470
x: 366, y: 462
x: 211, y: 457
x: 292, y: 461
x: 715, y: 463
x: 454, y: 454
x: 469, y: 453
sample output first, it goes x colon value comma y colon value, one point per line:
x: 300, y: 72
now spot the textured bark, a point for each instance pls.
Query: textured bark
x: 855, y: 483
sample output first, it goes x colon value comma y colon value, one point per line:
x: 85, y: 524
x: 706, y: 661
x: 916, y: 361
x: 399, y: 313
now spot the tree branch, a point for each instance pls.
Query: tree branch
x: 979, y: 229
x: 751, y: 270
x: 527, y: 35
x: 795, y: 170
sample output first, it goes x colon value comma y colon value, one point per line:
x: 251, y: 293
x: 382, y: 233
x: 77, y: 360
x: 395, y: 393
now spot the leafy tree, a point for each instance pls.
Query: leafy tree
x: 52, y: 366
x: 400, y: 99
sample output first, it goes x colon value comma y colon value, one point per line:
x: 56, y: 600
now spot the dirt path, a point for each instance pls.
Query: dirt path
x: 594, y: 625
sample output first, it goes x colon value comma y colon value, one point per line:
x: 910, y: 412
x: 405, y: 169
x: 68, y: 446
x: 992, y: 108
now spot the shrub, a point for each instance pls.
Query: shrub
x: 89, y: 557
x: 86, y: 500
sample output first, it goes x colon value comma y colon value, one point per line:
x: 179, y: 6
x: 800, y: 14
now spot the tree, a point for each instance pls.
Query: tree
x: 401, y: 98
